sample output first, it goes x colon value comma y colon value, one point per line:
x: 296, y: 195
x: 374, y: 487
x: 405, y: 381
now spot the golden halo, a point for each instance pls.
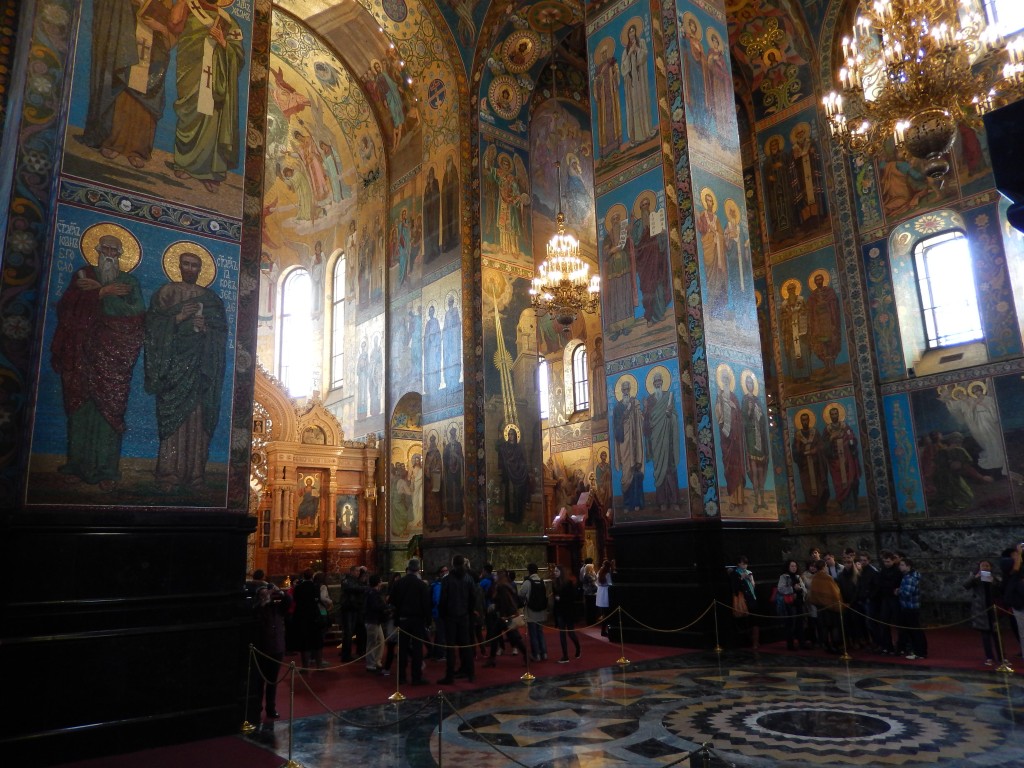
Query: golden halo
x: 511, y: 47
x: 131, y: 251
x: 687, y: 17
x: 778, y: 56
x: 457, y: 427
x: 173, y: 269
x: 957, y: 392
x: 714, y: 198
x: 607, y: 46
x: 775, y: 138
x: 624, y: 216
x: 814, y: 274
x: 792, y: 282
x: 637, y: 23
x: 746, y: 375
x: 665, y: 375
x: 397, y: 454
x: 509, y: 428
x: 713, y: 34
x: 839, y: 407
x: 797, y: 127
x: 977, y: 382
x: 801, y: 412
x: 732, y: 210
x: 647, y: 194
x: 758, y: 298
x: 724, y: 373
x: 414, y: 450
x: 452, y: 294
x: 224, y: 3
x: 432, y: 434
x: 618, y: 385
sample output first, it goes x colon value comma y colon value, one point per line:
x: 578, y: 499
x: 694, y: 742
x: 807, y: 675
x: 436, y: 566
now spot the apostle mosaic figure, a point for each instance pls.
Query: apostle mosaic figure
x: 432, y: 352
x: 628, y: 434
x: 778, y: 188
x: 755, y: 438
x: 651, y: 261
x: 712, y: 238
x: 809, y: 199
x: 607, y: 81
x: 811, y: 460
x: 451, y: 345
x: 619, y: 296
x: 843, y: 459
x: 431, y: 217
x: 516, y: 483
x: 451, y: 236
x: 661, y: 430
x: 186, y: 345
x: 719, y: 84
x: 634, y: 78
x: 795, y: 330
x: 210, y: 56
x: 694, y: 68
x: 454, y: 483
x: 823, y: 320
x: 729, y: 418
x: 95, y: 346
x: 433, y: 502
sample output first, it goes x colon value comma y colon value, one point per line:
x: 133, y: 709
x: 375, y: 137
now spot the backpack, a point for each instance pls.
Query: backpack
x: 538, y: 599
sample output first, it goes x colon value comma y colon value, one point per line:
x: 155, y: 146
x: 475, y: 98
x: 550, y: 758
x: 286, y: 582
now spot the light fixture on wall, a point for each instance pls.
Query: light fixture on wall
x: 913, y: 70
x: 563, y: 285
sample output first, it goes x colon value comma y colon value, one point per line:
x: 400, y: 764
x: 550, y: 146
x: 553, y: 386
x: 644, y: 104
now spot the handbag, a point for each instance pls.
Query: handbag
x: 517, y: 622
x: 739, y: 606
x: 322, y: 618
x: 789, y: 599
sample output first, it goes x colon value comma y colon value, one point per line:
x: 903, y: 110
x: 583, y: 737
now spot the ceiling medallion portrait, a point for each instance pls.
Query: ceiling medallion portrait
x: 521, y: 51
x: 505, y: 97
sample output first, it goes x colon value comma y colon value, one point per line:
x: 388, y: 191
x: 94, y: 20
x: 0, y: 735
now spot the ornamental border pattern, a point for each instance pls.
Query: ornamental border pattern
x: 879, y: 489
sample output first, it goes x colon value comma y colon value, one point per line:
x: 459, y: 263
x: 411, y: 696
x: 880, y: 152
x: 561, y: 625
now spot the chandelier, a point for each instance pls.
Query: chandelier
x: 913, y: 71
x: 563, y: 285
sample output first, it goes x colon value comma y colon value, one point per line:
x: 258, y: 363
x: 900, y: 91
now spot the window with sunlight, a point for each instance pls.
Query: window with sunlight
x: 1007, y: 15
x: 580, y: 379
x: 338, y: 326
x: 949, y: 299
x: 542, y: 388
x: 295, y: 352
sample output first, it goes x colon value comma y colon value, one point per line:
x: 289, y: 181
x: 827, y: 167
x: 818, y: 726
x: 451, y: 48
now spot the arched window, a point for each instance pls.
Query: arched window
x: 580, y: 379
x: 338, y: 325
x: 1007, y: 15
x: 543, y: 388
x: 295, y: 354
x: 945, y: 281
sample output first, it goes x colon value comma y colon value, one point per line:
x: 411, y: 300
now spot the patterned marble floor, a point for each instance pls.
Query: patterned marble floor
x: 767, y: 710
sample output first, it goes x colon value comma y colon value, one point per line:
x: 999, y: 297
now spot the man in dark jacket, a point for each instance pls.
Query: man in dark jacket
x: 888, y: 601
x: 410, y: 599
x: 351, y: 617
x: 458, y: 609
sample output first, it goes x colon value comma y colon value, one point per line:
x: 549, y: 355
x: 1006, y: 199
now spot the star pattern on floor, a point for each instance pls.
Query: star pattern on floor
x: 779, y: 680
x: 538, y: 727
x: 934, y: 687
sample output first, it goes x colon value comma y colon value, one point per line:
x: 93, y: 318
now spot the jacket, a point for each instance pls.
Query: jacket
x: 824, y: 592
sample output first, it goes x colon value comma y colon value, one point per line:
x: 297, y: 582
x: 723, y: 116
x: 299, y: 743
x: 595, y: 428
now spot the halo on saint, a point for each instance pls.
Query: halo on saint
x: 801, y: 126
x: 623, y: 216
x: 509, y: 429
x: 732, y: 210
x: 773, y: 140
x: 713, y: 35
x: 799, y: 415
x: 606, y: 47
x: 828, y: 410
x: 977, y: 383
x: 431, y: 433
x: 725, y: 377
x: 749, y: 375
x: 637, y: 24
x: 456, y: 426
x: 958, y: 392
x: 793, y: 283
x: 758, y: 298
x: 397, y: 454
x: 666, y: 378
x: 131, y: 251
x: 452, y: 294
x: 714, y: 198
x: 626, y: 377
x: 778, y: 57
x: 651, y: 198
x: 688, y: 17
x: 172, y: 267
x: 414, y: 451
x: 823, y: 272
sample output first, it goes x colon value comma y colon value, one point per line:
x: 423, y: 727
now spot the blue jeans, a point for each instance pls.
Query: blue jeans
x: 538, y: 647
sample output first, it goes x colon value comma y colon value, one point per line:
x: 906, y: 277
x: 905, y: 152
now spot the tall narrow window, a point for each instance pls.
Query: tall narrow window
x: 338, y: 325
x: 949, y: 299
x: 543, y: 389
x: 295, y: 351
x: 580, y: 378
x: 265, y: 530
x: 1007, y: 15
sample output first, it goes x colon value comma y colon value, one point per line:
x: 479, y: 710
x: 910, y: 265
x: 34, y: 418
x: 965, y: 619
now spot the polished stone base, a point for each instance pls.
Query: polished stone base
x: 756, y: 710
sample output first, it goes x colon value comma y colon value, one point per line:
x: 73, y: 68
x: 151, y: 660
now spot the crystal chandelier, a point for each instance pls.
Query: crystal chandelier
x: 913, y: 71
x: 564, y: 286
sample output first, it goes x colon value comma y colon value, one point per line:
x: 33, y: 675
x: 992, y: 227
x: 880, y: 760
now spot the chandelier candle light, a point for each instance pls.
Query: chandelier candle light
x: 563, y: 285
x: 913, y: 70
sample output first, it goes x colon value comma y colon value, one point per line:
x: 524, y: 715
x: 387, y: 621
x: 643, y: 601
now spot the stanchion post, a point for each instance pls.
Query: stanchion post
x: 527, y: 676
x: 622, y: 661
x: 398, y: 696
x: 1004, y: 665
x: 714, y: 611
x: 248, y: 727
x: 842, y: 628
x: 291, y: 720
